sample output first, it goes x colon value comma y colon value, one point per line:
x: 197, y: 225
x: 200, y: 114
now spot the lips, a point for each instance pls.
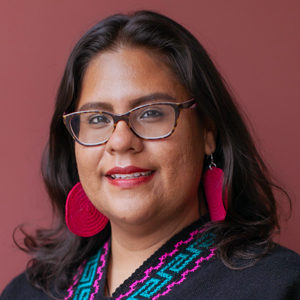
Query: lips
x: 128, y: 171
x: 129, y: 176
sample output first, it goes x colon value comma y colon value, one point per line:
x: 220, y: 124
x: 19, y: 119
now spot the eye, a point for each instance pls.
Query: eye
x: 151, y: 113
x: 99, y: 120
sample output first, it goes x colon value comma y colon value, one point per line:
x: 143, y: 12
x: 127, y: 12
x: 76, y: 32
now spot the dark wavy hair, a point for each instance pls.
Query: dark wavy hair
x: 252, y: 215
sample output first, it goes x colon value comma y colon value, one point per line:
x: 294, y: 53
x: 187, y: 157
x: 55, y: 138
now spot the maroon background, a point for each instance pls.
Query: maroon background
x: 254, y: 43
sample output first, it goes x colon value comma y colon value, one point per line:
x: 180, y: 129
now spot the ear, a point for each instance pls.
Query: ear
x: 209, y: 142
x: 210, y: 139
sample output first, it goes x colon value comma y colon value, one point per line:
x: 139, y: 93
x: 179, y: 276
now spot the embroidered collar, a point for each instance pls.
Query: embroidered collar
x: 168, y: 267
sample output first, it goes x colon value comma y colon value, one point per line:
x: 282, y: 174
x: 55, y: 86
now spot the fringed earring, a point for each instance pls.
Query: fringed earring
x: 212, y: 182
x: 82, y: 218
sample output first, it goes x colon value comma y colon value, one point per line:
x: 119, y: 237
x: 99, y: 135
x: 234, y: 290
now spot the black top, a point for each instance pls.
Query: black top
x: 186, y: 267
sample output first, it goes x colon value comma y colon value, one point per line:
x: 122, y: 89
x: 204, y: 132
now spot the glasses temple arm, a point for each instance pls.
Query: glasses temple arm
x: 188, y: 104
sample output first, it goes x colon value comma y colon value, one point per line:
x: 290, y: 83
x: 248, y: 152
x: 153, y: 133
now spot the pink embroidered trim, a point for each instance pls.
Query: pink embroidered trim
x: 99, y: 271
x: 75, y: 280
x: 162, y: 259
x: 183, y: 275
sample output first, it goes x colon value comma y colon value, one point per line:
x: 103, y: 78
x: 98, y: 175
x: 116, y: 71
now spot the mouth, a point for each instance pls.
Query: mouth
x: 131, y: 175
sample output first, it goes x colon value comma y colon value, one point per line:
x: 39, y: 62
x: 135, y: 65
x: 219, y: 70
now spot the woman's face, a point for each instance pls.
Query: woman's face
x: 115, y: 82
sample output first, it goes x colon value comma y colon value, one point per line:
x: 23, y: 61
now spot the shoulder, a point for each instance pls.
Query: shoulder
x: 278, y: 274
x: 275, y: 276
x: 282, y: 265
x: 19, y: 289
x: 283, y: 259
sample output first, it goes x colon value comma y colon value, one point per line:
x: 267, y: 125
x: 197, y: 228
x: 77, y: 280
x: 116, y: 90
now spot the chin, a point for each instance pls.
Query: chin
x: 130, y: 217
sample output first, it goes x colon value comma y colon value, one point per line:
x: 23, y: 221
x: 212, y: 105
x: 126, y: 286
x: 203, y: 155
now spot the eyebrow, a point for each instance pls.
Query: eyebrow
x: 156, y: 97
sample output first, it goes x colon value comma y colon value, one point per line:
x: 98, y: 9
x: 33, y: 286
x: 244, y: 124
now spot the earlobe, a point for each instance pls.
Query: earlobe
x: 209, y: 142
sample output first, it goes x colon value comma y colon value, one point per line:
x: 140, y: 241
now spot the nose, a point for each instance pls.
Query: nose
x: 124, y: 140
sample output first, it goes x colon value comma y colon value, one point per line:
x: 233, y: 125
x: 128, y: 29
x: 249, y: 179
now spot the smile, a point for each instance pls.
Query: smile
x: 131, y: 176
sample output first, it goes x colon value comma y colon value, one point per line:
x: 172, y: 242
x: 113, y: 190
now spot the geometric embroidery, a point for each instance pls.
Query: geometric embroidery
x: 163, y: 279
x: 85, y: 284
x: 75, y: 280
x: 86, y: 280
x: 99, y: 271
x: 170, y: 269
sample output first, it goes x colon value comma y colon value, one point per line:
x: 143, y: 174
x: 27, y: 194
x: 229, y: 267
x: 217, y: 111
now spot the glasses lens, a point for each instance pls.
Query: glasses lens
x: 154, y: 121
x: 92, y: 127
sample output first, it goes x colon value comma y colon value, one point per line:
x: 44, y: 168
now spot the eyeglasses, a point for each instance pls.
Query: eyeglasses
x: 150, y: 122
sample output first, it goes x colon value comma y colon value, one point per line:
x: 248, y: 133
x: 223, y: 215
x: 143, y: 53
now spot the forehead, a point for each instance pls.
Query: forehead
x: 118, y: 78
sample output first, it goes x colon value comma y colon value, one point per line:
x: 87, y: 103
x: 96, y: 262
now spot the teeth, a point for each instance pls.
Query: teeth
x: 130, y: 176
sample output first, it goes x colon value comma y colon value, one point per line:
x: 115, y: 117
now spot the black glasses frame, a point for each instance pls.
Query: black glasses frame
x: 125, y: 117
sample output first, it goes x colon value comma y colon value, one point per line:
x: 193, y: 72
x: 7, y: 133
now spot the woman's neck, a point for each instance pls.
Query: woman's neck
x: 130, y: 247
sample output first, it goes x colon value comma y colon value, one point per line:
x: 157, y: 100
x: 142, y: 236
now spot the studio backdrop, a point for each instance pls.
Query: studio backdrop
x: 255, y: 45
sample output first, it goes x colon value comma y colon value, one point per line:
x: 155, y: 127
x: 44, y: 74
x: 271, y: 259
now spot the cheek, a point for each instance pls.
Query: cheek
x: 87, y: 159
x: 180, y: 159
x: 186, y: 155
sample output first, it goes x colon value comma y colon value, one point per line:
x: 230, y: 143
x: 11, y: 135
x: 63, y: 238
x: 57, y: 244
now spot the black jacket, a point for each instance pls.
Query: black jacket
x: 186, y: 267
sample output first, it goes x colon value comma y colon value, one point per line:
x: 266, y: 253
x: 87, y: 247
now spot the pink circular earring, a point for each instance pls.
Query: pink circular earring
x: 213, y: 182
x: 82, y: 218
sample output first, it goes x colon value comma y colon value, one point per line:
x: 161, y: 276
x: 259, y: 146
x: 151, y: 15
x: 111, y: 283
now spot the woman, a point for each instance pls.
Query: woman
x: 158, y: 189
